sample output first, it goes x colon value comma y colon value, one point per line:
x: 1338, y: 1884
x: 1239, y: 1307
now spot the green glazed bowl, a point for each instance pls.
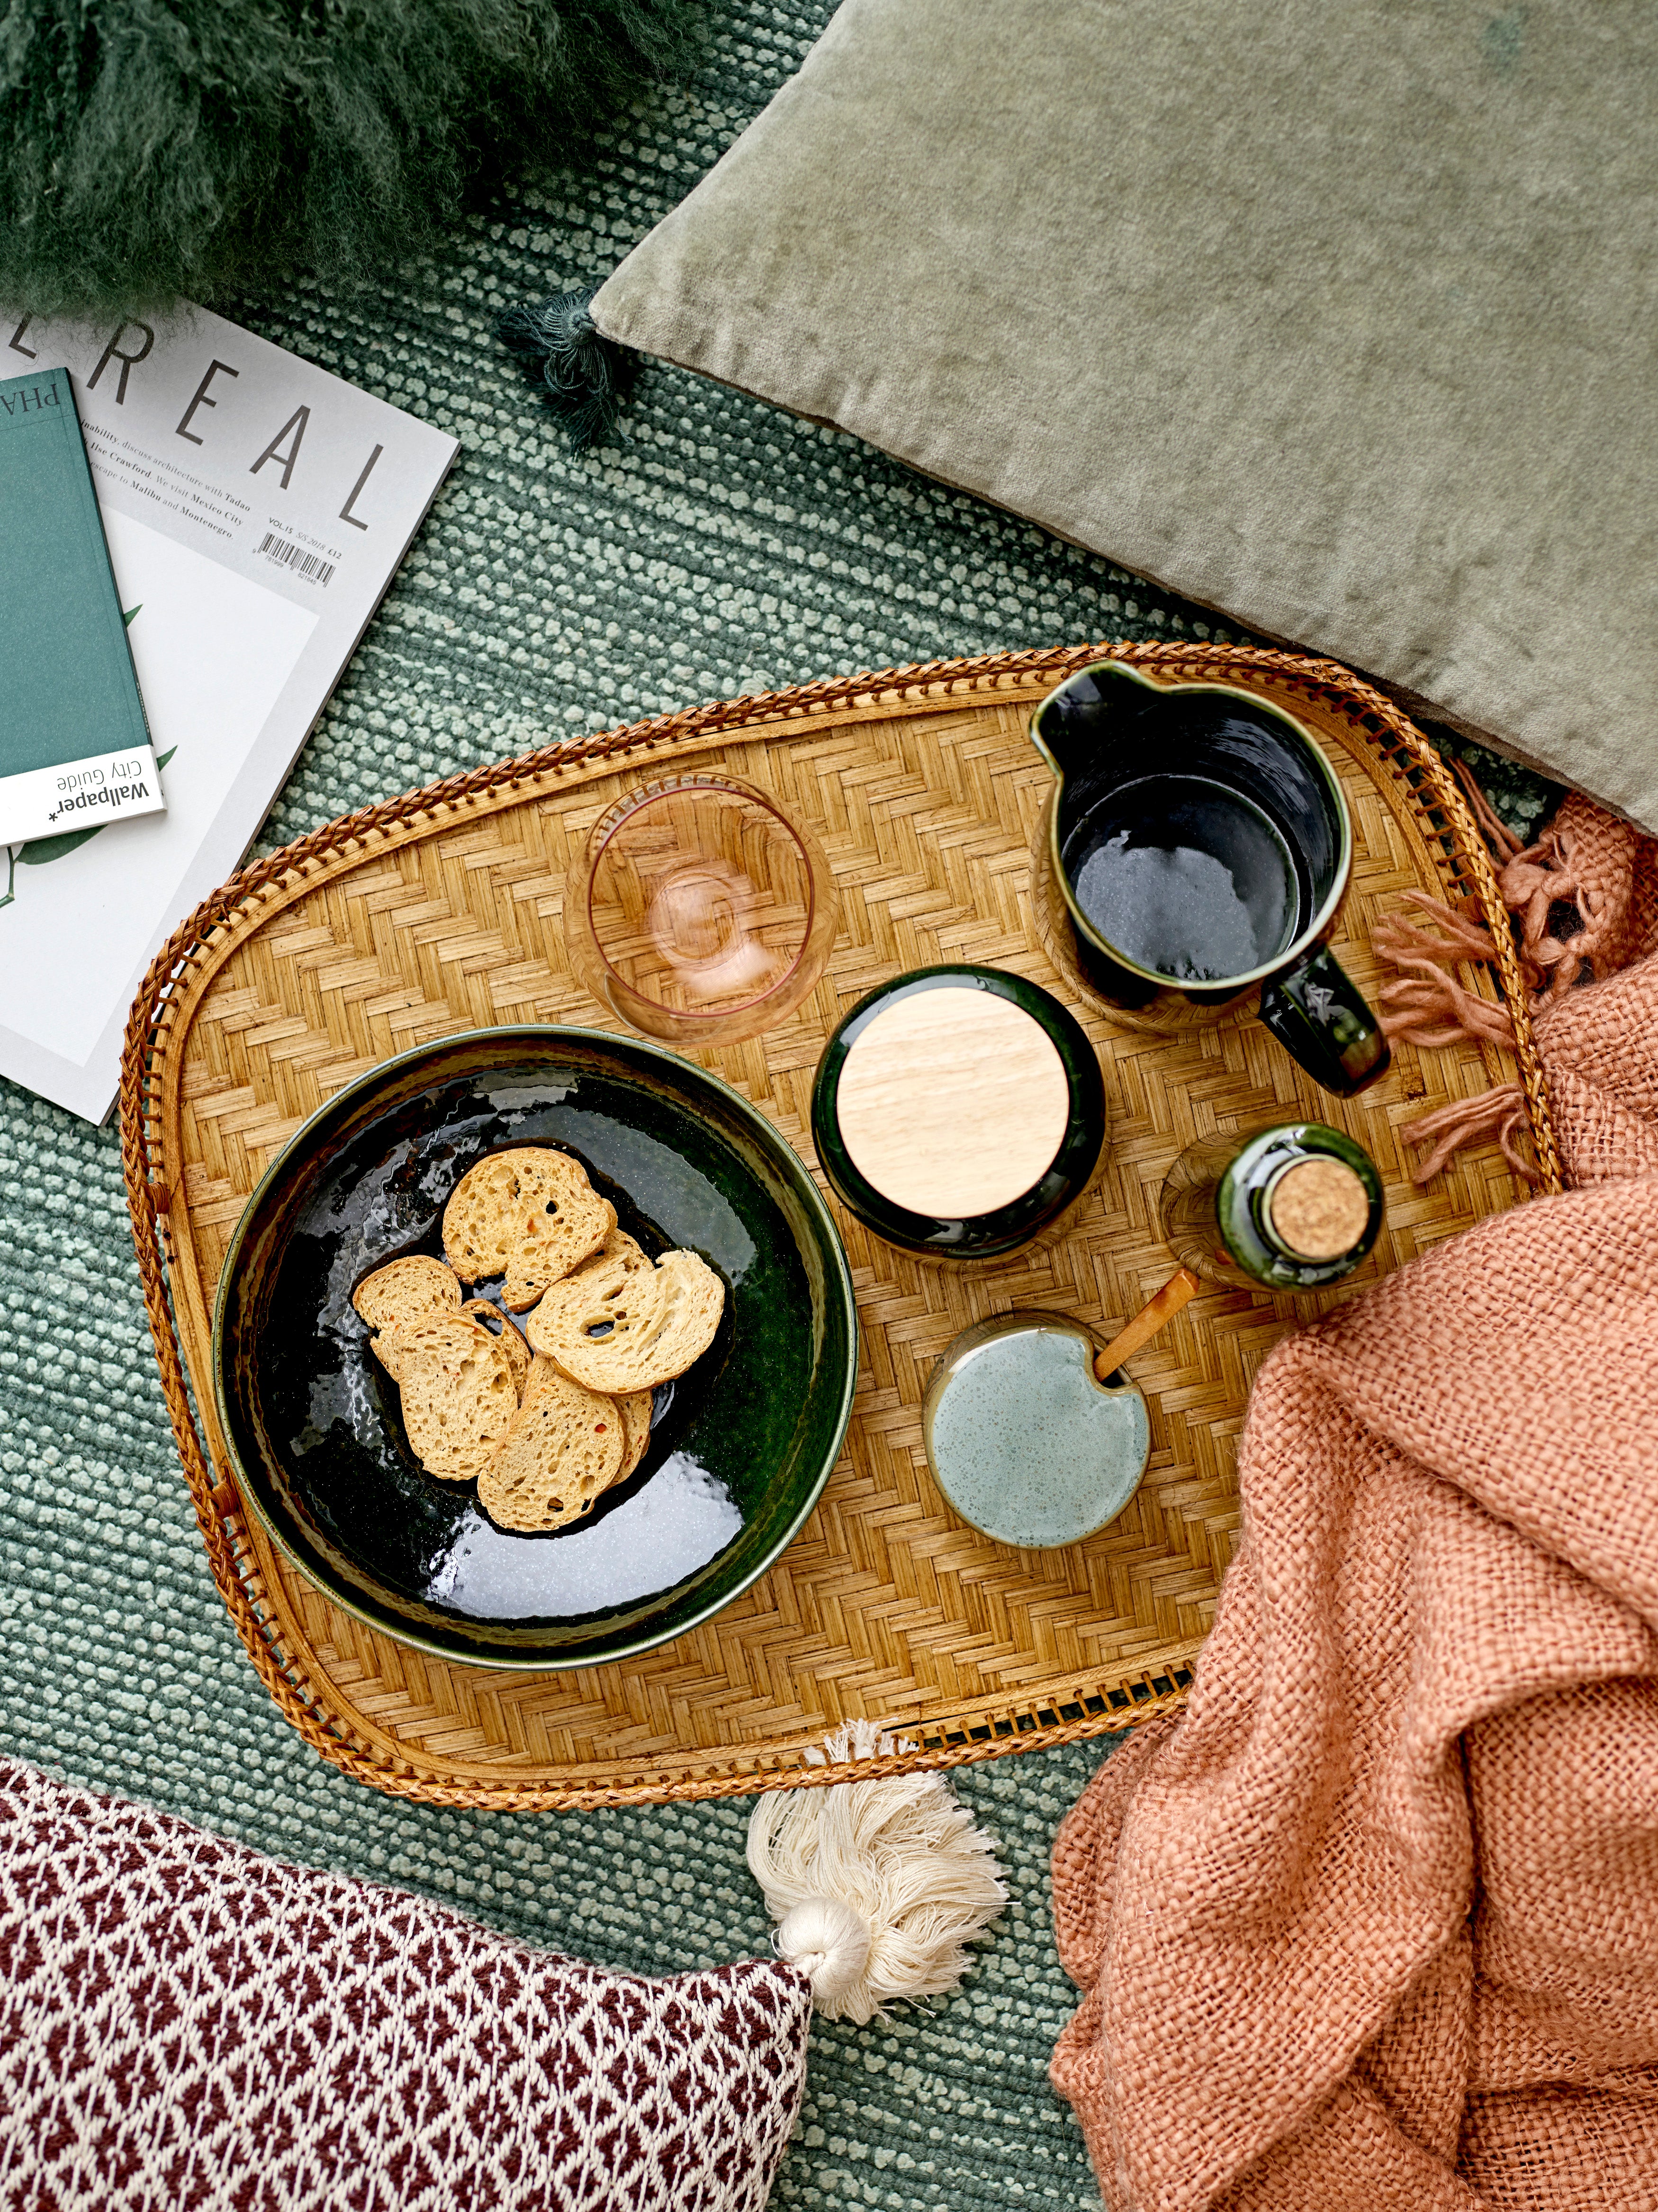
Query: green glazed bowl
x: 741, y: 1446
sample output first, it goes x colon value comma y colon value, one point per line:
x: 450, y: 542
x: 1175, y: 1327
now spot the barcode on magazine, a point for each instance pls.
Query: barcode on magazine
x: 295, y: 557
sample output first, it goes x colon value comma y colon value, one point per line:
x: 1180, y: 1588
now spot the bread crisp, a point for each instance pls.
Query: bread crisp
x: 542, y: 1372
x: 401, y: 1342
x: 617, y: 1289
x: 619, y: 1251
x: 459, y: 1398
x: 405, y: 1291
x: 544, y: 1435
x: 634, y: 1406
x: 563, y: 1451
x: 530, y: 1215
x: 616, y: 1329
x: 506, y: 1334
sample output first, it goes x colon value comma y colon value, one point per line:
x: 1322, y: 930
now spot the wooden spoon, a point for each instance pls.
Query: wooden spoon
x: 1181, y: 1286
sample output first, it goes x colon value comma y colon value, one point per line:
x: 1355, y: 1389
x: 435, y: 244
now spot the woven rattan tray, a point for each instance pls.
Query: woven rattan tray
x: 442, y: 912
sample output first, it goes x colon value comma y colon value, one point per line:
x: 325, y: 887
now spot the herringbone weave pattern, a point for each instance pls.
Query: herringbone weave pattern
x: 448, y: 916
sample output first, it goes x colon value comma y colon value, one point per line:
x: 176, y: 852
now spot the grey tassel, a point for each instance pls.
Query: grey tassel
x: 582, y: 375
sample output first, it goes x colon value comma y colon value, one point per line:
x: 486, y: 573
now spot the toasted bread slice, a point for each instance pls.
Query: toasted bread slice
x: 551, y: 1249
x: 506, y: 1334
x: 619, y: 1273
x: 459, y: 1396
x: 564, y: 1451
x: 405, y: 1291
x: 622, y: 1253
x: 635, y: 1407
x: 401, y: 1342
x: 542, y: 1372
x: 618, y: 1288
x: 616, y: 1330
x: 530, y: 1215
x: 621, y: 1260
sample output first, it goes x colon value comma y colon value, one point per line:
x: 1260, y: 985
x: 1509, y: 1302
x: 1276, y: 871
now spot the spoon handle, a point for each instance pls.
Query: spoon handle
x: 1181, y: 1286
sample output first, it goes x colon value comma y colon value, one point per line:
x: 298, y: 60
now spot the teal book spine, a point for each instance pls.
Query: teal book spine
x: 75, y: 749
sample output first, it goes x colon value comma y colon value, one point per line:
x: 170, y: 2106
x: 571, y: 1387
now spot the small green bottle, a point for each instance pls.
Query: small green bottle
x: 1291, y: 1207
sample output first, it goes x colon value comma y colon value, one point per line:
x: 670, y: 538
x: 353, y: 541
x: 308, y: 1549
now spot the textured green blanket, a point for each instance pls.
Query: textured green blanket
x: 718, y: 545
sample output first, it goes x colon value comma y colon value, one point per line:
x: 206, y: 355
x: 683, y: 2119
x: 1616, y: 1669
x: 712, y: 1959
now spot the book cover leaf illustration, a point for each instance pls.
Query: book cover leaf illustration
x: 75, y: 749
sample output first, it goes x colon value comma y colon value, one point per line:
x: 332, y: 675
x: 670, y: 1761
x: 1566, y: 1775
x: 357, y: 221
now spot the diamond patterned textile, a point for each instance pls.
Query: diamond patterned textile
x: 184, y: 2024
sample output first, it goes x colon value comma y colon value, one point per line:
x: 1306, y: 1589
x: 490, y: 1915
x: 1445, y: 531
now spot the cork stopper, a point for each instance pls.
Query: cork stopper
x: 1318, y: 1209
x: 953, y: 1102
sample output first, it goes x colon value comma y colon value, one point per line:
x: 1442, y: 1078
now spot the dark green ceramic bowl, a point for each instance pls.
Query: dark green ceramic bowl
x: 740, y: 1447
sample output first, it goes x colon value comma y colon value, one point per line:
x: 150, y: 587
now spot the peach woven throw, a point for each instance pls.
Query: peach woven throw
x: 1374, y: 1924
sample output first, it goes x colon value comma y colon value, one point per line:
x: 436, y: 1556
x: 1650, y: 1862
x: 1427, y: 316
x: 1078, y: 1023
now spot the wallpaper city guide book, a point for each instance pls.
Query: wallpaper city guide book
x: 74, y: 747
x: 255, y: 509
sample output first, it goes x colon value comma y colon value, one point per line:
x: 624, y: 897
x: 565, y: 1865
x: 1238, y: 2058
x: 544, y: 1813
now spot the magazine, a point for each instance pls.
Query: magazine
x: 256, y: 509
x: 74, y: 744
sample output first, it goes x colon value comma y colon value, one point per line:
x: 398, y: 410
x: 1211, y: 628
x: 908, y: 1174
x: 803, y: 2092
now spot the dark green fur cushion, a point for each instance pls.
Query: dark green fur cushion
x: 155, y: 148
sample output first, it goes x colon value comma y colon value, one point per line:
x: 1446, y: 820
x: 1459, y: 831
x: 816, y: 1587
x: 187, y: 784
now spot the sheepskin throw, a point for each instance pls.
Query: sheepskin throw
x: 154, y: 149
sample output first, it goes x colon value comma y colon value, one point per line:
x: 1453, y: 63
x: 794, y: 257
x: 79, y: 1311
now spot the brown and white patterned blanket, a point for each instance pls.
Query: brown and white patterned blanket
x: 187, y: 2026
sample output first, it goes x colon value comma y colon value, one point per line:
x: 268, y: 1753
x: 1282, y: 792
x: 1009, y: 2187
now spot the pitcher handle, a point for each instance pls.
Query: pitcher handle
x: 1321, y: 1019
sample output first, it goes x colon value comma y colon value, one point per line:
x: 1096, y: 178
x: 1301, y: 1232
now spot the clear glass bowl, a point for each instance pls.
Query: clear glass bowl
x: 698, y: 912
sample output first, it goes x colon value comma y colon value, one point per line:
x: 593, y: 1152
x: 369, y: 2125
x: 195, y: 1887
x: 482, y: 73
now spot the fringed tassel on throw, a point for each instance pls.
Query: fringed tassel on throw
x: 1583, y: 903
x: 877, y: 1886
x: 583, y: 376
x: 1499, y: 1114
x: 1427, y: 1004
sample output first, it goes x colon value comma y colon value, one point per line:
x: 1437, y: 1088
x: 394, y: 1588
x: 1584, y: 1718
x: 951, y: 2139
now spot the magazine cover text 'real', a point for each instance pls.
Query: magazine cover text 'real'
x: 255, y: 509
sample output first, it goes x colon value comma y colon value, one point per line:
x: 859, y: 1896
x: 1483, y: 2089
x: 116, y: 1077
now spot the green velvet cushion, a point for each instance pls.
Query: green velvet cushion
x: 1337, y: 316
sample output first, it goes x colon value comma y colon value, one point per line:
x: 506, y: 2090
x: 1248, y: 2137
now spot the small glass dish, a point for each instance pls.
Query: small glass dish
x: 698, y: 912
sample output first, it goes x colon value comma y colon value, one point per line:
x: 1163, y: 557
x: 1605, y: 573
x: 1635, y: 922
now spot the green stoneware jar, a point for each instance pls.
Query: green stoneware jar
x: 1292, y: 1207
x: 959, y: 1112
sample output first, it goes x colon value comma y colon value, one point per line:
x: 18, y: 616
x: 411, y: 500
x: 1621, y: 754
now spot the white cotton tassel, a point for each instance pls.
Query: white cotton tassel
x: 878, y: 1886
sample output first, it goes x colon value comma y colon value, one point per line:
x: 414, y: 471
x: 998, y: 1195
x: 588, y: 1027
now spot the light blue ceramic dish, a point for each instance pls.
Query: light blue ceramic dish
x: 1026, y: 1445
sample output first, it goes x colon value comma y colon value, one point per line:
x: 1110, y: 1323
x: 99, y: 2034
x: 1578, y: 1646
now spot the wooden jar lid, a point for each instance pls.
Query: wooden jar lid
x: 1318, y: 1209
x: 953, y: 1102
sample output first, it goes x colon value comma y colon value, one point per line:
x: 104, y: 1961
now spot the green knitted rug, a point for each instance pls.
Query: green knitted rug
x: 716, y: 547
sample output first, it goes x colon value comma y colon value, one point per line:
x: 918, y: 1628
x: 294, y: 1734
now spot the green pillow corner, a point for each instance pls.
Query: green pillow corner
x: 1327, y: 319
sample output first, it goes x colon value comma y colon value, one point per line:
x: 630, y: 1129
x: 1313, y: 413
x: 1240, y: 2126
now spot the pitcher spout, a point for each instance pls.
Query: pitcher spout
x: 1089, y: 714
